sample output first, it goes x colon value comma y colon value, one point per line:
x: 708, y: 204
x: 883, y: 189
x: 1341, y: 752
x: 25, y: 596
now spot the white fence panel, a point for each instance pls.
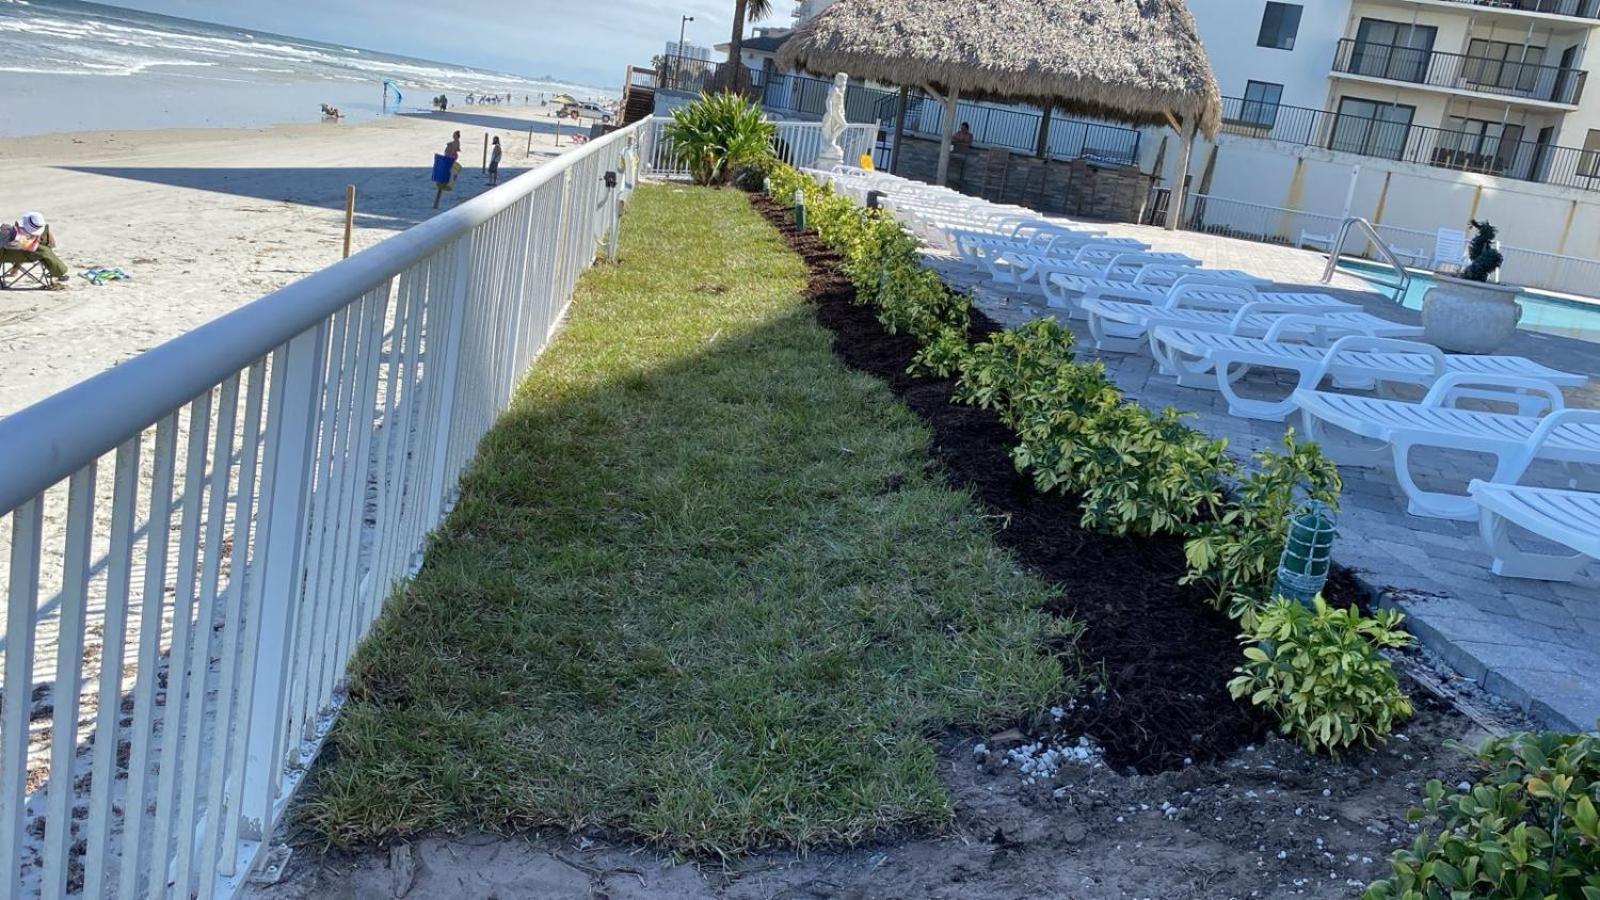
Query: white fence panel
x: 796, y: 143
x: 193, y: 542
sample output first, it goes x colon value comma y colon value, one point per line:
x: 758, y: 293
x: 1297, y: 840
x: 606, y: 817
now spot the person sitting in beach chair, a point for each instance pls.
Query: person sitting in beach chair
x: 28, y: 246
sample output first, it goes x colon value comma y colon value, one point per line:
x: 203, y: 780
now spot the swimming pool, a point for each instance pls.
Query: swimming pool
x: 1549, y: 313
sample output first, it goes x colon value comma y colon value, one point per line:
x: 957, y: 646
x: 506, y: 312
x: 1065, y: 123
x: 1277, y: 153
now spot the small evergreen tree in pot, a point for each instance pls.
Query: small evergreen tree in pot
x: 1483, y: 258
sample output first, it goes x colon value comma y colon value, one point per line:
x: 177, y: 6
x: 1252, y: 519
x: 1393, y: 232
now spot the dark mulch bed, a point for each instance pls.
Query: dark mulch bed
x: 1161, y: 654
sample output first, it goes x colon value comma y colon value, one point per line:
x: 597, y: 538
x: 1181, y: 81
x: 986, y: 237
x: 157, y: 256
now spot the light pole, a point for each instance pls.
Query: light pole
x: 683, y: 23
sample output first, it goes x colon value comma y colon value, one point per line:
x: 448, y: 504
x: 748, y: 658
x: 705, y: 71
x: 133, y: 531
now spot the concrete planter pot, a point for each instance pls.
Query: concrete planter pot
x: 1470, y: 316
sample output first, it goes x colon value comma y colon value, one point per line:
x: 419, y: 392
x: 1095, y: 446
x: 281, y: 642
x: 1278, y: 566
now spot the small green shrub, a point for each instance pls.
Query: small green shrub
x: 1053, y: 416
x: 942, y: 354
x: 717, y: 134
x: 1148, y: 473
x: 1319, y: 671
x: 751, y: 176
x: 1528, y: 828
x: 1004, y: 368
x: 1237, y: 552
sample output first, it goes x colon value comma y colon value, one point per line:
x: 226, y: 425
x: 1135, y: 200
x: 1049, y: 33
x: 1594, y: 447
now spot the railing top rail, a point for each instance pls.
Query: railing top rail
x: 48, y: 441
x: 1579, y: 9
x: 1422, y: 51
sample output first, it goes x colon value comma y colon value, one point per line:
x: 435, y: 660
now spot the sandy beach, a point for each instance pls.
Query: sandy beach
x: 206, y: 220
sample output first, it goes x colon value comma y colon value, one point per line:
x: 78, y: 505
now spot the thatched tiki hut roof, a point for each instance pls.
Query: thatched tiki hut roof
x: 1138, y: 61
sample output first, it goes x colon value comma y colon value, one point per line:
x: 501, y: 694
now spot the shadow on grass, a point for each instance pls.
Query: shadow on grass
x: 702, y: 585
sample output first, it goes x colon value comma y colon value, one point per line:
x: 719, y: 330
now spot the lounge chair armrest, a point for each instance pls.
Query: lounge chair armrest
x: 1321, y: 327
x: 1514, y: 389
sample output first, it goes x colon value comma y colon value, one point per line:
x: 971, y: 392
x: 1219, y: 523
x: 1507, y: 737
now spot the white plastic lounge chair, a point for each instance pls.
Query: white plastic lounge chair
x: 1068, y: 293
x: 1566, y: 517
x: 1398, y: 427
x: 1107, y: 261
x: 1216, y: 360
x: 1449, y: 248
x: 1318, y: 241
x: 1121, y: 327
x: 1018, y: 266
x: 1154, y: 285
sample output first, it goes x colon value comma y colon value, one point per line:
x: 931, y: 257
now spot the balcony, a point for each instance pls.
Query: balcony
x: 1575, y: 9
x: 1462, y: 151
x: 1458, y: 72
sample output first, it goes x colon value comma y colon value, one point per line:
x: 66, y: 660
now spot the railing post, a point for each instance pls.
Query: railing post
x: 449, y: 350
x: 280, y: 563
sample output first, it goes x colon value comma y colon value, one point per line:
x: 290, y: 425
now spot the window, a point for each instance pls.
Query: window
x: 1497, y: 64
x: 1479, y: 145
x: 1589, y: 163
x: 1279, y: 25
x: 1371, y: 127
x: 1396, y: 50
x: 1261, y: 103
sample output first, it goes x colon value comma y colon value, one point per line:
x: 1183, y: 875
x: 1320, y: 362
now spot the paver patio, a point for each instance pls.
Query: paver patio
x: 1533, y: 643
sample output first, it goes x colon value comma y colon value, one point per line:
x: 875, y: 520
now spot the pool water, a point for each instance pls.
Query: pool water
x: 1549, y: 313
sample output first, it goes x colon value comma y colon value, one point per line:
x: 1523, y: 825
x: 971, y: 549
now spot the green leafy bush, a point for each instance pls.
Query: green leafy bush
x: 1237, y: 552
x: 717, y: 134
x: 942, y: 354
x: 1528, y: 828
x: 1149, y: 473
x: 1319, y: 670
x: 1003, y: 369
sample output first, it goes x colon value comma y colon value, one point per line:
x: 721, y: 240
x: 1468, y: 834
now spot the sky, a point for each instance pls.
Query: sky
x: 587, y: 42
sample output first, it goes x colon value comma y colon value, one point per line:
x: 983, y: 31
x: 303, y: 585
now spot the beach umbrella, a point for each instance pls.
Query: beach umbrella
x: 1137, y: 61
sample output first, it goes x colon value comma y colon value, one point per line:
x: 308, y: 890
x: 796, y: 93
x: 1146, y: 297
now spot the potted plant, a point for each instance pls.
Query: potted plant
x: 1468, y: 314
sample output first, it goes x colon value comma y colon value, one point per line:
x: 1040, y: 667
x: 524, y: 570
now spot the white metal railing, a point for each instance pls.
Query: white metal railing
x: 796, y: 143
x: 193, y: 542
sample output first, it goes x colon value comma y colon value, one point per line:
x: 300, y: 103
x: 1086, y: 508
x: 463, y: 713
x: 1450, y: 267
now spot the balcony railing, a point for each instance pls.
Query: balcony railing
x: 1465, y: 151
x: 1579, y: 9
x: 1480, y: 74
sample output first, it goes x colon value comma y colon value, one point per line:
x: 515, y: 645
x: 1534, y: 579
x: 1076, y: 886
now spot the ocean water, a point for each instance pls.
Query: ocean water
x: 67, y: 65
x: 1548, y: 313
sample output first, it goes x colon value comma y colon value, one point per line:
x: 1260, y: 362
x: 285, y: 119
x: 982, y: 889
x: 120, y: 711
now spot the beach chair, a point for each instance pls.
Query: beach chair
x: 30, y: 272
x: 1380, y: 428
x: 1121, y: 327
x: 1199, y: 290
x: 1569, y: 518
x: 1449, y: 249
x: 1117, y: 263
x: 1211, y: 359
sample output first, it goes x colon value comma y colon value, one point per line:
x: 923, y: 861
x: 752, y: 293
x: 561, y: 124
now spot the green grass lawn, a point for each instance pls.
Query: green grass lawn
x: 701, y: 586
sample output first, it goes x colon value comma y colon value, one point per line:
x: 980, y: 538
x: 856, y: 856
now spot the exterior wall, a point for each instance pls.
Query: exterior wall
x: 1229, y: 29
x: 1401, y: 195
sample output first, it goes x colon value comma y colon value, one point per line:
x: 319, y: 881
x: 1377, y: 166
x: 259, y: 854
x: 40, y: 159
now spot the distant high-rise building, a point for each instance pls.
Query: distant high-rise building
x: 688, y: 50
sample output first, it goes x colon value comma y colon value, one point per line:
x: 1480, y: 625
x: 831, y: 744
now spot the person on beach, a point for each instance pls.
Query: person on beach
x: 29, y: 240
x: 453, y: 150
x: 494, y: 162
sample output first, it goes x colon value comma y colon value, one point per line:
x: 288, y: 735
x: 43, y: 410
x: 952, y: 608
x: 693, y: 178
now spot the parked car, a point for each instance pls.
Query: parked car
x: 585, y: 110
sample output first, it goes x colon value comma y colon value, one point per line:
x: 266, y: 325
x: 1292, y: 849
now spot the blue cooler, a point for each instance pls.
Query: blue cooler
x: 441, y: 169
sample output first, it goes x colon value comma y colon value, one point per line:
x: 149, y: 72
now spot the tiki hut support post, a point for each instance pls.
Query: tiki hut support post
x: 949, y: 102
x: 1179, y: 186
x: 899, y: 129
x: 1042, y: 147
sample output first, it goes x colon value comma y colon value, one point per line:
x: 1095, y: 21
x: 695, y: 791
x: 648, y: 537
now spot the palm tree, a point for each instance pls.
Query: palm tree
x: 742, y: 9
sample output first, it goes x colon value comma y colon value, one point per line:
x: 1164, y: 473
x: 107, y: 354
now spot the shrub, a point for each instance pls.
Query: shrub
x: 717, y: 134
x: 1528, y: 828
x: 1237, y: 552
x: 1148, y: 473
x: 1002, y: 370
x: 1483, y: 257
x: 1319, y: 671
x: 942, y: 354
x: 752, y: 176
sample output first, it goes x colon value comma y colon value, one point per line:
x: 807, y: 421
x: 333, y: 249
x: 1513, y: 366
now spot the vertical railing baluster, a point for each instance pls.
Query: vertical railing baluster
x: 151, y: 606
x: 70, y: 624
x: 22, y: 603
x: 108, y: 713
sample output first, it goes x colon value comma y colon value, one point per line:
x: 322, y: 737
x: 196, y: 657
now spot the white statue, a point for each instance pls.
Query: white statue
x: 833, y: 125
